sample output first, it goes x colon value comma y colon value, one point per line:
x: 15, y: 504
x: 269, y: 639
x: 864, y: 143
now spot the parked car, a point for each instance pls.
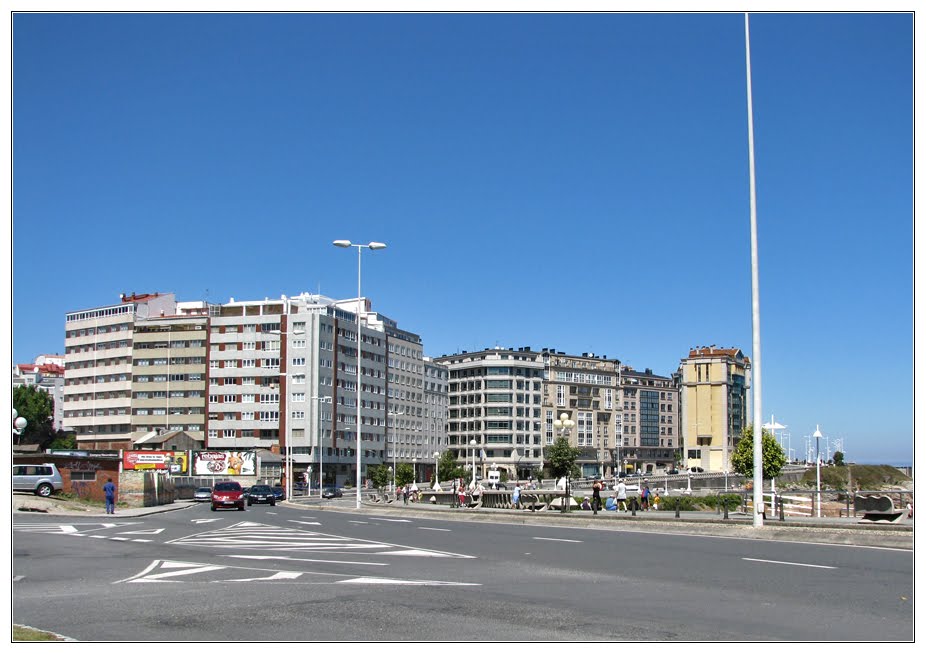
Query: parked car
x: 261, y: 494
x: 42, y: 479
x: 673, y: 471
x: 228, y: 494
x: 332, y: 492
x: 203, y: 494
x: 696, y: 469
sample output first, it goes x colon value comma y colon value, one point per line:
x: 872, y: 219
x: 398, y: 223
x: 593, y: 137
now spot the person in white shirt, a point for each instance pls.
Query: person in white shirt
x: 622, y: 495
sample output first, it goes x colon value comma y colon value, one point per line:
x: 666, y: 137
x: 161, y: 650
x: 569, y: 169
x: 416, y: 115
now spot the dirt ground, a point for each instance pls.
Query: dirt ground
x: 31, y: 502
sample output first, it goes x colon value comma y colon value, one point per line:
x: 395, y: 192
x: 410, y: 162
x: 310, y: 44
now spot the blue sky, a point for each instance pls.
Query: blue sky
x: 570, y: 181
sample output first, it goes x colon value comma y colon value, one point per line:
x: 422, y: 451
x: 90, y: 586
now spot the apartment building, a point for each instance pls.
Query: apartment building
x: 650, y: 426
x: 98, y: 368
x: 495, y: 408
x: 169, y: 374
x: 586, y: 389
x: 715, y: 384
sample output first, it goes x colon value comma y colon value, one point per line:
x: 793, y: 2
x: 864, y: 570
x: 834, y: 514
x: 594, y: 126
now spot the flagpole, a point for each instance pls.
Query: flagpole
x: 757, y: 500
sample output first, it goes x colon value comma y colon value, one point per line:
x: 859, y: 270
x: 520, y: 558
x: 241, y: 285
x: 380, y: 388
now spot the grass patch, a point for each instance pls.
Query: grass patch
x: 864, y: 477
x: 28, y: 634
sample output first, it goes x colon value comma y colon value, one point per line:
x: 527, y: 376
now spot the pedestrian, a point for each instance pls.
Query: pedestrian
x: 656, y: 501
x: 644, y: 499
x: 109, y: 489
x: 586, y: 505
x: 596, y: 496
x: 406, y: 490
x: 461, y: 493
x: 399, y: 491
x: 516, y: 497
x: 611, y: 504
x: 454, y: 499
x: 622, y: 495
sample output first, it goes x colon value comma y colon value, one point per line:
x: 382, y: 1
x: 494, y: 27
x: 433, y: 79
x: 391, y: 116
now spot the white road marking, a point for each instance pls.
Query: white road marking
x: 391, y: 519
x: 302, y: 522
x: 433, y: 529
x: 561, y: 540
x: 403, y: 582
x: 357, y: 522
x: 292, y: 558
x: 150, y: 532
x: 200, y: 521
x: 804, y: 565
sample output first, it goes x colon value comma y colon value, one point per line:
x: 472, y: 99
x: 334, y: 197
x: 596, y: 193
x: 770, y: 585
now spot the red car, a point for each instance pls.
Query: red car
x: 227, y: 494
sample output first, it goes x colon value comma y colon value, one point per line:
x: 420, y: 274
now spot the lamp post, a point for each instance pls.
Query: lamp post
x: 564, y: 424
x: 415, y: 470
x: 392, y: 413
x: 373, y: 245
x: 318, y: 438
x: 817, y: 435
x: 19, y: 423
x: 436, y: 472
x: 472, y: 445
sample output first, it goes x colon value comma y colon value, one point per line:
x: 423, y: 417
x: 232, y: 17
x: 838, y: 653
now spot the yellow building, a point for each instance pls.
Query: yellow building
x: 715, y: 408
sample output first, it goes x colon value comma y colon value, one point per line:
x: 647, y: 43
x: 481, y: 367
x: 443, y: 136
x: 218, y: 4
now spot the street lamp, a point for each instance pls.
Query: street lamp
x: 415, y: 469
x: 373, y: 245
x: 318, y: 438
x: 392, y: 413
x: 564, y: 424
x: 436, y: 473
x: 19, y: 423
x: 817, y: 435
x: 472, y: 445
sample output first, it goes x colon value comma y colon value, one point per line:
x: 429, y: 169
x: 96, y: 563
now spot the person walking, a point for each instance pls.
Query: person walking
x: 644, y: 499
x: 622, y: 495
x: 461, y: 493
x: 406, y: 490
x: 454, y: 498
x: 596, y: 496
x: 516, y: 497
x: 109, y: 489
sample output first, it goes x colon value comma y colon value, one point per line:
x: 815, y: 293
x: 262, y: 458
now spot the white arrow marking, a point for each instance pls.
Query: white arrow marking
x: 202, y: 520
x: 403, y: 582
x: 290, y: 558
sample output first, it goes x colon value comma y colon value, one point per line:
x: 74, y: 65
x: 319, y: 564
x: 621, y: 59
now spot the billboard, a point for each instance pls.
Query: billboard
x: 176, y: 462
x: 224, y: 462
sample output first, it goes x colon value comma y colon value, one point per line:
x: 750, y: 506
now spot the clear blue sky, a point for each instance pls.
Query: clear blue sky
x: 569, y: 181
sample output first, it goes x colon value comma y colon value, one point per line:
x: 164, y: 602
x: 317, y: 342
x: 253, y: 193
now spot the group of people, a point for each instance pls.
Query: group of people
x: 459, y: 493
x: 408, y: 492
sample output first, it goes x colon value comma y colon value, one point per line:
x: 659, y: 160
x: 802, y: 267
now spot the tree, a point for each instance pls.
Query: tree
x: 37, y: 407
x: 63, y: 441
x: 839, y: 458
x: 561, y: 458
x: 448, y: 468
x: 773, y: 456
x: 380, y: 476
x: 404, y: 474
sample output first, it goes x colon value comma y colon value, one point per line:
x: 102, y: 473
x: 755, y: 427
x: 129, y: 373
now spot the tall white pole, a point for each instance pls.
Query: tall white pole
x: 359, y: 364
x: 756, y: 351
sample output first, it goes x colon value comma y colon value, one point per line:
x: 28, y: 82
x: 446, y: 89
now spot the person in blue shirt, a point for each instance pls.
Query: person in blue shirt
x: 109, y: 488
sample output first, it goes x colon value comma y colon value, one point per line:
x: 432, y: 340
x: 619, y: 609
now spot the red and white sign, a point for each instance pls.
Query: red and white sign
x: 223, y: 462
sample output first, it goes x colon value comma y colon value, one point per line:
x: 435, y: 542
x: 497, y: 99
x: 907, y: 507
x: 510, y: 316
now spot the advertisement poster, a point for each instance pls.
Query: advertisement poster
x: 175, y: 462
x: 224, y: 462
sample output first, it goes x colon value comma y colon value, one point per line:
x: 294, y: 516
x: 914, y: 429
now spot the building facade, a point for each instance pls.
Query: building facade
x: 650, y: 425
x: 715, y: 386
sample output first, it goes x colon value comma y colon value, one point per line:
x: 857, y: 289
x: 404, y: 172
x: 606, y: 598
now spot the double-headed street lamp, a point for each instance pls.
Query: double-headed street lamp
x: 373, y: 245
x: 564, y: 424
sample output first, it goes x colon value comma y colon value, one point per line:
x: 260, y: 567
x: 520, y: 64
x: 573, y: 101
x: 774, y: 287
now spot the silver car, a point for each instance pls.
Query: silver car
x: 203, y: 494
x: 42, y: 479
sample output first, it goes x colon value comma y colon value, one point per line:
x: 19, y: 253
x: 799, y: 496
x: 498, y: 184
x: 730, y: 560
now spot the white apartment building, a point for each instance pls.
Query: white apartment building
x: 98, y: 368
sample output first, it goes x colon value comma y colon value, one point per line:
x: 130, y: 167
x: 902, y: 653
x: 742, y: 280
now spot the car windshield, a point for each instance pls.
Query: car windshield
x: 260, y: 489
x: 228, y: 486
x: 204, y: 489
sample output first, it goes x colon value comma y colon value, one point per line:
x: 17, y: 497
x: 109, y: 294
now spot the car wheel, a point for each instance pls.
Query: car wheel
x: 213, y: 507
x: 273, y: 503
x: 44, y: 490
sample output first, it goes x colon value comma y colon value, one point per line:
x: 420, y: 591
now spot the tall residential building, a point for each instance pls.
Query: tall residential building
x: 586, y: 389
x: 261, y: 374
x: 169, y: 359
x: 495, y: 400
x: 715, y: 407
x: 651, y: 428
x: 98, y: 368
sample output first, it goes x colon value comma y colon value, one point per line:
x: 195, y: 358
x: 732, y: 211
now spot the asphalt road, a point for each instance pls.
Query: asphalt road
x: 297, y: 574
